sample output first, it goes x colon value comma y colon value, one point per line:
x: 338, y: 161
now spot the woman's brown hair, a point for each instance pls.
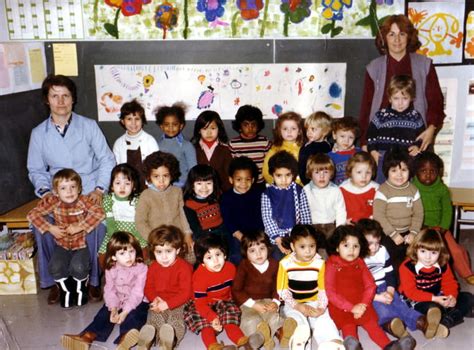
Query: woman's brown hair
x: 404, y: 24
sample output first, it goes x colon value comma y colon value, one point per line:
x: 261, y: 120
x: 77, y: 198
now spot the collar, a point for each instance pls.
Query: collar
x: 419, y: 266
x: 62, y: 131
x: 179, y: 138
x: 398, y: 187
x: 134, y: 137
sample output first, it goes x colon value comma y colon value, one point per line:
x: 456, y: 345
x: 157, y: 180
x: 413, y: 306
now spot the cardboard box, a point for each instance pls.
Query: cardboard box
x: 17, y: 277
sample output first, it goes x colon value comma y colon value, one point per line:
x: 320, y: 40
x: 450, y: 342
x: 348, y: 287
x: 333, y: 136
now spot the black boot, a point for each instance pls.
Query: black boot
x: 82, y: 291
x: 66, y: 292
x: 406, y: 343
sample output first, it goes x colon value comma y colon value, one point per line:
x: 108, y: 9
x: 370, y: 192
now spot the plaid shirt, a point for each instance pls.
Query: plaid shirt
x: 82, y: 212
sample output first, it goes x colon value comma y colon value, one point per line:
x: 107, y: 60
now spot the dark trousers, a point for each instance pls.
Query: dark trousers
x: 451, y: 316
x: 65, y: 263
x: 397, y: 253
x: 102, y: 327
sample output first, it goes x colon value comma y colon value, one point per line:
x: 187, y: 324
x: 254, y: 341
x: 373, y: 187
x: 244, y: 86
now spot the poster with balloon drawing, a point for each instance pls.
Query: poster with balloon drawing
x: 274, y: 88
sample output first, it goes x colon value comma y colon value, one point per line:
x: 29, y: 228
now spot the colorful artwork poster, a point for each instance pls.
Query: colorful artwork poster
x: 274, y: 88
x: 217, y: 19
x: 469, y: 48
x: 440, y: 29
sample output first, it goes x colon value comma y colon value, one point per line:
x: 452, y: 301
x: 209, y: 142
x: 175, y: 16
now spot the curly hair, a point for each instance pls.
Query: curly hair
x: 428, y: 157
x: 158, y: 159
x: 132, y: 107
x: 341, y: 233
x: 277, y: 137
x: 404, y: 24
x: 243, y: 163
x: 283, y: 159
x: 248, y: 113
x: 177, y: 110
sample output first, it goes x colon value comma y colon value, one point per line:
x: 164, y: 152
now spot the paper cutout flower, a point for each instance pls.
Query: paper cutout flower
x: 333, y: 8
x: 296, y: 10
x: 211, y: 8
x: 470, y: 48
x: 249, y: 9
x: 166, y: 17
x: 127, y: 8
x: 456, y: 41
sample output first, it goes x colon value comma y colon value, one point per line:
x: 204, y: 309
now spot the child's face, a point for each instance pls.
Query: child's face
x: 203, y: 188
x: 304, y: 248
x: 321, y: 177
x: 361, y: 174
x: 210, y: 132
x: 344, y: 139
x: 132, y: 123
x: 427, y: 173
x: 171, y: 126
x: 249, y: 129
x: 242, y: 180
x: 374, y: 244
x: 165, y: 254
x: 427, y: 257
x: 160, y: 178
x: 214, y: 260
x: 282, y: 177
x: 122, y: 186
x: 349, y: 249
x: 314, y: 132
x: 399, y: 175
x: 257, y: 253
x: 125, y: 257
x: 67, y: 191
x: 400, y: 101
x: 289, y: 130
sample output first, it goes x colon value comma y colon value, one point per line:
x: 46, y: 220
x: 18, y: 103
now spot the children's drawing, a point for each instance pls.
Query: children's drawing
x: 274, y: 88
x: 166, y: 17
x: 217, y: 19
x: 469, y: 48
x: 439, y: 30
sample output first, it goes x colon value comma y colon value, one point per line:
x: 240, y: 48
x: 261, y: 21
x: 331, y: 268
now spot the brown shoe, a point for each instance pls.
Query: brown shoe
x: 470, y: 280
x: 95, y: 294
x: 442, y: 331
x: 285, y: 332
x: 216, y: 346
x: 396, y: 327
x: 78, y: 341
x: 433, y: 317
x: 53, y: 296
x: 128, y: 340
x: 264, y: 329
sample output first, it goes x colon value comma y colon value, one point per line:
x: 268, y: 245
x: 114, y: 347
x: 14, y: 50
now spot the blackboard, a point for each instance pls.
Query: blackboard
x: 19, y: 113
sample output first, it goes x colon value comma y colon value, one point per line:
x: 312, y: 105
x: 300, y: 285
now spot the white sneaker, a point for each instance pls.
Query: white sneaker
x: 300, y: 337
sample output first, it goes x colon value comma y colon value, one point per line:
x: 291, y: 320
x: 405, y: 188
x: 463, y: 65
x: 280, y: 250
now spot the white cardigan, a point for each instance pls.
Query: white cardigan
x: 144, y: 140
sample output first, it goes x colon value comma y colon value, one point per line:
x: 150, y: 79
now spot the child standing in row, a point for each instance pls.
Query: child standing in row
x: 75, y: 216
x: 352, y: 307
x: 119, y: 205
x: 287, y: 136
x: 392, y: 311
x: 171, y: 121
x: 344, y: 132
x: 397, y: 205
x: 125, y: 277
x: 325, y: 199
x: 428, y: 284
x: 136, y: 144
x: 284, y: 203
x: 162, y: 203
x: 241, y: 201
x: 438, y: 209
x: 300, y: 284
x: 397, y: 125
x: 359, y: 189
x: 168, y: 285
x: 248, y: 123
x: 212, y: 309
x: 210, y: 140
x: 254, y: 289
x: 317, y: 127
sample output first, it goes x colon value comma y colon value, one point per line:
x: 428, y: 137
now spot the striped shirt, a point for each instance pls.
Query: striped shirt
x: 255, y: 149
x: 380, y: 266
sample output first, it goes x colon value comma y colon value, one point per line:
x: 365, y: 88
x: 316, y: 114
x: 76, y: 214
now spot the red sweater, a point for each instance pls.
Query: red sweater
x: 210, y: 287
x: 172, y: 283
x: 348, y: 284
x: 420, y: 283
x: 359, y: 202
x: 250, y: 283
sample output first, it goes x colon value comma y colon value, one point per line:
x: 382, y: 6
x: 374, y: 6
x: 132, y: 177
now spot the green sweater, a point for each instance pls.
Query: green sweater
x: 436, y: 203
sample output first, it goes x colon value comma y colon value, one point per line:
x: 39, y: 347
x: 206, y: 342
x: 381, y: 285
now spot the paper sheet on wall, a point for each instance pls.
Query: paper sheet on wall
x: 469, y: 47
x: 274, y: 88
x: 22, y: 67
x: 65, y: 59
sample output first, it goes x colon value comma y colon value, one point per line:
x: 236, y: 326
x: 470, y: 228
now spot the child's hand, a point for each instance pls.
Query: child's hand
x: 316, y: 311
x: 121, y: 317
x: 259, y: 307
x: 57, y: 232
x: 384, y: 298
x: 398, y: 239
x: 238, y: 235
x: 413, y: 150
x: 409, y: 238
x: 114, y: 315
x: 358, y: 310
x: 73, y: 229
x: 451, y: 301
x: 216, y: 325
x: 349, y: 222
x: 280, y: 246
x: 441, y: 299
x: 188, y: 240
x: 96, y: 197
x: 162, y: 305
x: 376, y: 156
x: 271, y: 307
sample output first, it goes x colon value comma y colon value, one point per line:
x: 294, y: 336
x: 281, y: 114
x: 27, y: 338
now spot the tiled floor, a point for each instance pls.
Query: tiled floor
x: 29, y: 323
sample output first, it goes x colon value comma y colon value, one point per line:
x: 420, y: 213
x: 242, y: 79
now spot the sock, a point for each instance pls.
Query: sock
x: 208, y: 336
x: 233, y: 332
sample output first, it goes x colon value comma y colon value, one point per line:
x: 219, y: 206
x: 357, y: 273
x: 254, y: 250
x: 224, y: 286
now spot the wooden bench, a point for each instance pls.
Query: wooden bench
x: 463, y: 200
x: 16, y: 218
